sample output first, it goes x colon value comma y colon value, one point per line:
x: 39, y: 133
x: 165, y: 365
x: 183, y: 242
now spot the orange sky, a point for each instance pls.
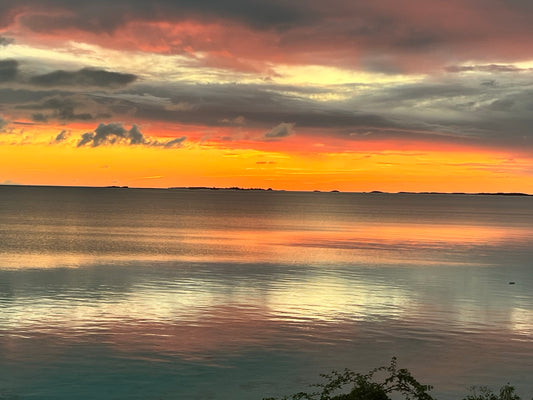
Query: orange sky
x: 297, y: 164
x: 291, y: 97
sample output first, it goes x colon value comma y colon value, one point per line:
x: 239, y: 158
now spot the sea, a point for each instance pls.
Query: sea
x: 122, y: 293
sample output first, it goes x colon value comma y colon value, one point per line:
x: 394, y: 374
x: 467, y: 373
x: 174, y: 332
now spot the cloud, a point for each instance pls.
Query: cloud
x: 86, y: 77
x: 486, y: 68
x: 111, y: 133
x: 237, y: 121
x: 383, y: 35
x: 386, y: 36
x: 86, y: 138
x: 26, y: 98
x: 8, y: 70
x: 181, y: 106
x: 5, y: 41
x: 461, y: 109
x: 502, y: 105
x: 3, y: 122
x: 66, y: 107
x: 63, y: 110
x: 257, y: 105
x: 70, y: 80
x: 39, y: 117
x: 114, y: 133
x: 173, y: 143
x: 453, y: 108
x: 260, y: 14
x: 62, y: 136
x: 280, y: 131
x: 136, y: 137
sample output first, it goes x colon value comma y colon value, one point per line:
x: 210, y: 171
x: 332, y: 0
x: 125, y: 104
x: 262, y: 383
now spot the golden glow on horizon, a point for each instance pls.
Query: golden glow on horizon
x: 209, y: 164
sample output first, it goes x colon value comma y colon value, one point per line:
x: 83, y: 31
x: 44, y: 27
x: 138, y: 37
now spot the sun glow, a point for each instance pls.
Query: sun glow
x: 261, y: 164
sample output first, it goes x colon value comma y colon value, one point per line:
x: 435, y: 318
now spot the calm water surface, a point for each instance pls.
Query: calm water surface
x: 175, y: 294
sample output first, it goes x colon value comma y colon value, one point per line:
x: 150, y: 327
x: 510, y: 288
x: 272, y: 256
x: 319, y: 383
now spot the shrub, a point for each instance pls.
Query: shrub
x: 484, y: 393
x: 367, y: 387
x: 393, y: 380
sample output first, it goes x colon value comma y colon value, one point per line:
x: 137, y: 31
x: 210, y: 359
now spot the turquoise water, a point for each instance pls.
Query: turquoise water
x: 176, y: 294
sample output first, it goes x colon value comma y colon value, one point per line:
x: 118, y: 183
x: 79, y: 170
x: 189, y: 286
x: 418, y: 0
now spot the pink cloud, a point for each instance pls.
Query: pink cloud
x: 384, y: 35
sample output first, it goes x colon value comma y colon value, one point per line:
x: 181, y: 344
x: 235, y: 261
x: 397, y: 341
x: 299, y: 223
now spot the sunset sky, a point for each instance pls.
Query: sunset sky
x: 414, y: 95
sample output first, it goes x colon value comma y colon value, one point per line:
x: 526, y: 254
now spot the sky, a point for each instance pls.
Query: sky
x: 411, y: 95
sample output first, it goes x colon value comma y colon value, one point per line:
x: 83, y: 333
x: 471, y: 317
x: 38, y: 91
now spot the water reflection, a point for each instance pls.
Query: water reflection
x: 212, y: 313
x: 259, y: 297
x: 342, y: 243
x: 44, y: 299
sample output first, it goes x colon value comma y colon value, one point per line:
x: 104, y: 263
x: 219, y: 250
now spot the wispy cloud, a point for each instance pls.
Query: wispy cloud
x: 62, y: 136
x: 280, y: 131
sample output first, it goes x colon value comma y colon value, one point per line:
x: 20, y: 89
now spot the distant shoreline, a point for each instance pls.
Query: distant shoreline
x: 236, y: 188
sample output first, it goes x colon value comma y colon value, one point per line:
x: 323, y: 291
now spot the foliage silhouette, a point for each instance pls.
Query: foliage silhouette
x: 380, y: 383
x: 366, y: 387
x: 507, y: 392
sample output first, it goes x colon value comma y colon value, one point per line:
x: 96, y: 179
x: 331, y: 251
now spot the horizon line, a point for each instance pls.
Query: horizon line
x: 237, y: 188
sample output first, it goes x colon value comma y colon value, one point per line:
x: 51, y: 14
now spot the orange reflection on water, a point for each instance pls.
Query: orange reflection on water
x: 453, y: 234
x: 348, y: 243
x: 302, y: 242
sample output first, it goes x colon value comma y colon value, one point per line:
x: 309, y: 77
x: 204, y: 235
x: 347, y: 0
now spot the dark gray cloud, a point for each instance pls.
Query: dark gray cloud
x: 249, y: 106
x: 136, y: 137
x: 62, y: 136
x: 60, y: 95
x: 491, y: 106
x: 23, y: 96
x: 3, y: 122
x: 259, y: 106
x: 5, y: 41
x: 486, y: 68
x: 86, y: 77
x: 280, y: 131
x: 464, y: 110
x: 83, y: 79
x: 86, y: 138
x: 114, y: 133
x: 459, y: 110
x: 261, y: 14
x: 502, y: 105
x: 173, y: 143
x: 8, y: 70
x: 62, y: 108
x: 39, y: 117
x: 110, y: 134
